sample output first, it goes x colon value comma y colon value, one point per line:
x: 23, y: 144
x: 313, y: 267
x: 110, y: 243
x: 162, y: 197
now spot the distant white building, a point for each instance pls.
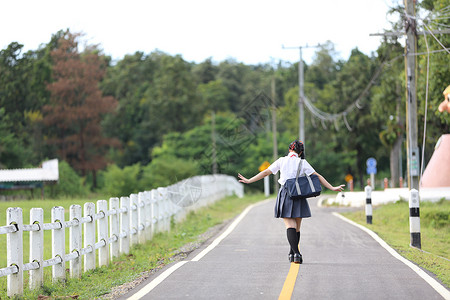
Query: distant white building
x: 17, y: 179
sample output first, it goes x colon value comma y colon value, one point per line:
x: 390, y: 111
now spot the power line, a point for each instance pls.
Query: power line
x: 333, y: 117
x: 301, y: 97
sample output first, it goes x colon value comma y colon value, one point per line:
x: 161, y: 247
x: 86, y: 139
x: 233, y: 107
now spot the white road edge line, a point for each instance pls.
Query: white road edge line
x: 146, y: 289
x: 150, y: 286
x: 226, y: 233
x: 430, y: 280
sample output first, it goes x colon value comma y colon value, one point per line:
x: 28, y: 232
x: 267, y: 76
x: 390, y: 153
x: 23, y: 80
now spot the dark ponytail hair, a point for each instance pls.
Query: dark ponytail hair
x: 297, y: 146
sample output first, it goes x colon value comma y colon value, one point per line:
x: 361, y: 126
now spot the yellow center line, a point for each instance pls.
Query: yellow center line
x: 289, y: 283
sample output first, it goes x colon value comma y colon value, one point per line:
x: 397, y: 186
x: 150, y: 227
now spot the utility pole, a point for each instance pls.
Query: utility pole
x: 301, y: 99
x: 213, y: 138
x: 274, y: 135
x: 301, y: 95
x: 411, y: 96
x: 411, y: 32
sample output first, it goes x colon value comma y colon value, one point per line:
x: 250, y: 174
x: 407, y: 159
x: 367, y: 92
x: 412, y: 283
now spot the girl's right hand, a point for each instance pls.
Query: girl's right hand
x: 242, y: 179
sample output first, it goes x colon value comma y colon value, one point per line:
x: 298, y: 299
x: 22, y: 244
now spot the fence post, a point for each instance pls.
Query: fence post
x: 148, y: 216
x: 125, y: 225
x: 58, y: 244
x: 368, y: 190
x: 114, y: 227
x: 37, y: 248
x: 14, y: 251
x: 155, y: 211
x: 89, y: 236
x: 161, y: 210
x: 141, y: 217
x: 414, y: 218
x: 134, y: 218
x: 166, y: 216
x: 75, y: 235
x: 102, y: 228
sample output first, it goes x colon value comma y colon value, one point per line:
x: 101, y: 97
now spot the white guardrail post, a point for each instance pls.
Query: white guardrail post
x: 125, y: 225
x: 141, y: 217
x: 58, y: 244
x: 166, y: 212
x: 160, y: 215
x: 114, y: 248
x: 37, y: 248
x: 14, y: 249
x: 148, y: 216
x: 134, y: 219
x: 154, y: 199
x: 89, y: 236
x: 102, y: 227
x: 75, y: 243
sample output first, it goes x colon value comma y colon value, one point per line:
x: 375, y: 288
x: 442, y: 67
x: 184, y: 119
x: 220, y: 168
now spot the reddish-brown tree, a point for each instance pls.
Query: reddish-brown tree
x: 77, y: 107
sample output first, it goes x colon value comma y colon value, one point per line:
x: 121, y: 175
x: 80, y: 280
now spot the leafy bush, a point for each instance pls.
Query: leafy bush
x: 121, y: 182
x: 164, y: 171
x: 69, y: 184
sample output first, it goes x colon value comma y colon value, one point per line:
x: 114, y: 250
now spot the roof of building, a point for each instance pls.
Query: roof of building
x: 48, y: 172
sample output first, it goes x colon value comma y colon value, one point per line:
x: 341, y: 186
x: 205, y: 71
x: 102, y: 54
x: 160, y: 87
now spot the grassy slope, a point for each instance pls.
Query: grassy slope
x: 391, y: 223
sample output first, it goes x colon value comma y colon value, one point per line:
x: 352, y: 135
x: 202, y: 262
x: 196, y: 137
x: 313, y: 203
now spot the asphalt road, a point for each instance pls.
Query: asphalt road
x: 340, y: 262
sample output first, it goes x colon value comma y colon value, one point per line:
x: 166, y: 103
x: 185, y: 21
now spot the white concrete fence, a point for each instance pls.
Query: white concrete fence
x: 129, y: 220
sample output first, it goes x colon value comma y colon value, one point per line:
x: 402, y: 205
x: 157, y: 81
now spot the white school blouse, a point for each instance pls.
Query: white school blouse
x: 288, y: 166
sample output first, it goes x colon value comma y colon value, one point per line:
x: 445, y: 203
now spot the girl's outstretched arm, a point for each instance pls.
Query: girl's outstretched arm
x: 257, y: 177
x: 326, y: 184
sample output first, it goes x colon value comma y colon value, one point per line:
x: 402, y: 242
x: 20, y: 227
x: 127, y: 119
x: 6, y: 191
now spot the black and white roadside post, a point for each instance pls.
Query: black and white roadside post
x: 368, y: 190
x: 414, y: 218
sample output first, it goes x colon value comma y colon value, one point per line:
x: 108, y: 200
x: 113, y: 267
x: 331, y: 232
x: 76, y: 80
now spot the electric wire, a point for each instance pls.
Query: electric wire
x: 437, y: 40
x: 324, y: 116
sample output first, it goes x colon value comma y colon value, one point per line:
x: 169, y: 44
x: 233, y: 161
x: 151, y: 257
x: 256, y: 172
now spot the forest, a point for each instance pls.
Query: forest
x: 151, y: 119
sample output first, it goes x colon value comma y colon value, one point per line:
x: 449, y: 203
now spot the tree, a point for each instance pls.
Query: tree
x: 386, y: 104
x: 157, y: 94
x: 77, y: 106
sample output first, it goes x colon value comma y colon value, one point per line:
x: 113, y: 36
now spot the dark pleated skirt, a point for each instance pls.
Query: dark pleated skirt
x: 285, y: 207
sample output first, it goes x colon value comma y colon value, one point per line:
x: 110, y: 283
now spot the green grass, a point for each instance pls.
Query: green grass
x: 126, y: 268
x: 391, y: 223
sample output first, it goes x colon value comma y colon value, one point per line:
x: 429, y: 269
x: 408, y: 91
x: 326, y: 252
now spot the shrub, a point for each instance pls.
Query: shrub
x: 164, y: 171
x: 69, y: 184
x: 121, y: 182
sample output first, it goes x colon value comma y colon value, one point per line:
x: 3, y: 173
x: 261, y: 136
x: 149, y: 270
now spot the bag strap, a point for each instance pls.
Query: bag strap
x: 299, y: 168
x: 297, y: 186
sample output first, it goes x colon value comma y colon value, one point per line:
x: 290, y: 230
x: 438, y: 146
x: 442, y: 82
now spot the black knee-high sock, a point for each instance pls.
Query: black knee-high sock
x: 290, y: 249
x: 292, y: 239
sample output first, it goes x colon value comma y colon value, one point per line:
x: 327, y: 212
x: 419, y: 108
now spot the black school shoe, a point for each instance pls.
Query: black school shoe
x: 298, y: 259
x: 291, y: 257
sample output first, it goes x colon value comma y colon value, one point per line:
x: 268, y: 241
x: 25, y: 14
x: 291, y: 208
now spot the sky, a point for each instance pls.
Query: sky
x: 248, y: 31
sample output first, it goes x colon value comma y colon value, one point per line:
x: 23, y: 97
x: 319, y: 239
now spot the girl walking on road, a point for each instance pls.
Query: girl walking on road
x: 291, y: 211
